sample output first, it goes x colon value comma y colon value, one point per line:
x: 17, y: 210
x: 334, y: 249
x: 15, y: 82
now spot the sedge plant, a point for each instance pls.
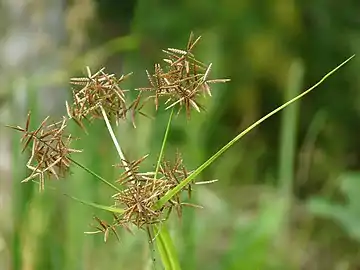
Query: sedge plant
x: 141, y: 200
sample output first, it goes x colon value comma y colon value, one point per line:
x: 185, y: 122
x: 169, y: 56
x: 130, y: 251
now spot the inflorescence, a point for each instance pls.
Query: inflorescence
x: 180, y: 81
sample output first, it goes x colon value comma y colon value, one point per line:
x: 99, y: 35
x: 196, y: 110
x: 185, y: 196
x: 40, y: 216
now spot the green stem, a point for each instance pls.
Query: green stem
x: 95, y: 175
x: 163, y: 144
x: 113, y: 137
x: 164, y: 242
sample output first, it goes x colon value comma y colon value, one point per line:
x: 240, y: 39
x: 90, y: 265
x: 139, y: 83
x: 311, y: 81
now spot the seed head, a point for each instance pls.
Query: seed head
x: 182, y: 79
x: 50, y: 149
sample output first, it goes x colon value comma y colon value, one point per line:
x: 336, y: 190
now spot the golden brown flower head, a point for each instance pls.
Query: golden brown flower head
x: 142, y: 191
x: 50, y: 150
x: 182, y: 80
x: 98, y: 91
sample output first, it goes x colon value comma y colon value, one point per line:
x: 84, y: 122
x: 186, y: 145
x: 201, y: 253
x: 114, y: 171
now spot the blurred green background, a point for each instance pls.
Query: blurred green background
x: 287, y: 192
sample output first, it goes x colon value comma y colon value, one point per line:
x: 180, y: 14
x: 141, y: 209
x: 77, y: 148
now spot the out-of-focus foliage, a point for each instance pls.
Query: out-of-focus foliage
x: 346, y: 214
x: 247, y: 221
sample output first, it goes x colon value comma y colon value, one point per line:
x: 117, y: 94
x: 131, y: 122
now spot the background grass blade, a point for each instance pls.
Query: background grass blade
x: 289, y: 129
x: 288, y: 139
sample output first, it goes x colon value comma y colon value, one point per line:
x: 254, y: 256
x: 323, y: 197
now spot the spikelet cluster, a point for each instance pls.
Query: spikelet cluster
x: 140, y: 193
x: 182, y: 79
x: 50, y: 149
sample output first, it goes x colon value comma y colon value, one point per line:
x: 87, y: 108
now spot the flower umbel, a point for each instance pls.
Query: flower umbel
x: 142, y: 191
x: 50, y: 150
x: 98, y: 90
x: 182, y: 80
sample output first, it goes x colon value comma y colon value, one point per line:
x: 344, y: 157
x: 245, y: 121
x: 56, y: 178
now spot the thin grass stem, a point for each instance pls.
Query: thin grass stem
x: 113, y: 137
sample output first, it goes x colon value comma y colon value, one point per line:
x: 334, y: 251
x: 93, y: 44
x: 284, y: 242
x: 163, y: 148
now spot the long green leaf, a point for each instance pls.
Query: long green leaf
x: 166, y: 248
x: 186, y: 181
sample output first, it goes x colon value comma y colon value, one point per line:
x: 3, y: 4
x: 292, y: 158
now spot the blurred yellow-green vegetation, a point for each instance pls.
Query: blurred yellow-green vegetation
x: 287, y: 192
